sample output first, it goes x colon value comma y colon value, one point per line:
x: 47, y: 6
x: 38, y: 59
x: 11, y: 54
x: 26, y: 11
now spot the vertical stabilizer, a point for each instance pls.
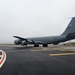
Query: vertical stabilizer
x: 70, y: 28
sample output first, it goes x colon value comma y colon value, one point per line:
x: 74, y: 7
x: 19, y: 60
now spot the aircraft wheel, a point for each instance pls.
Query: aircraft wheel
x: 45, y: 45
x: 36, y: 45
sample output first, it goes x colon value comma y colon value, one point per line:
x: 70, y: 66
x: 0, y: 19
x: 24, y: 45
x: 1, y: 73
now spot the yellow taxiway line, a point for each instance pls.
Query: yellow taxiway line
x: 61, y: 54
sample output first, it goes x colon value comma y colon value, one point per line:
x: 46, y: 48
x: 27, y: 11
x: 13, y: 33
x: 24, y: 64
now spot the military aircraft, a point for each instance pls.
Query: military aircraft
x: 68, y: 34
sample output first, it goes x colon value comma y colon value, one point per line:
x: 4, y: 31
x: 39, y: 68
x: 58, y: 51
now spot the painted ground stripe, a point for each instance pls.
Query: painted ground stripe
x: 3, y: 55
x: 61, y: 54
x: 2, y: 60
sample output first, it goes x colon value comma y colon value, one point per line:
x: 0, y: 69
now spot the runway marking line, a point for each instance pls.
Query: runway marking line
x: 3, y: 58
x: 61, y: 54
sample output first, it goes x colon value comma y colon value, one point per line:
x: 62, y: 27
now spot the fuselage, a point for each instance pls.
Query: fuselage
x: 50, y: 39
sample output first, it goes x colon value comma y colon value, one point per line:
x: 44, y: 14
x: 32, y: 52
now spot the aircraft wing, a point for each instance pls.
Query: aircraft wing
x: 29, y: 40
x: 19, y: 37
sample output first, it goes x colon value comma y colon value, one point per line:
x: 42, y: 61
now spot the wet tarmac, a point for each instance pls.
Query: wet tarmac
x: 37, y: 61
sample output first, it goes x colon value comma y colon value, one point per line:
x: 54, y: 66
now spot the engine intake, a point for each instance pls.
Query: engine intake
x: 17, y: 42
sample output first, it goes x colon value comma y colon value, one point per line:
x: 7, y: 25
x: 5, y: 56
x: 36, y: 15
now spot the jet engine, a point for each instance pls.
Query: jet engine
x: 17, y: 42
x: 23, y: 43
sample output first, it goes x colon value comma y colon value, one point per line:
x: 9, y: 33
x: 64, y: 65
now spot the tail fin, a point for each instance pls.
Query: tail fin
x: 71, y: 27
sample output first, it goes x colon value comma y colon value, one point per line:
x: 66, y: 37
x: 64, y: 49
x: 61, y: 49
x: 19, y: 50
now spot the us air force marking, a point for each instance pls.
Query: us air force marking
x: 2, y: 57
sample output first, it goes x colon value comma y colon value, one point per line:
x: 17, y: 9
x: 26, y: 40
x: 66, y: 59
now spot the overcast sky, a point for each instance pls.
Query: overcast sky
x: 32, y: 18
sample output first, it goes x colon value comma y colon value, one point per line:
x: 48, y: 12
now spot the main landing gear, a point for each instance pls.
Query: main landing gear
x: 36, y: 45
x: 45, y: 45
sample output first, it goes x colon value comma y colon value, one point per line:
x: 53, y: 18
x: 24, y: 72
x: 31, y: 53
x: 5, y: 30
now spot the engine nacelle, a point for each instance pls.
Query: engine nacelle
x: 23, y: 43
x: 17, y: 42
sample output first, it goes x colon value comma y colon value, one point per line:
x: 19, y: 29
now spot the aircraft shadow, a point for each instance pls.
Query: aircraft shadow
x: 19, y: 48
